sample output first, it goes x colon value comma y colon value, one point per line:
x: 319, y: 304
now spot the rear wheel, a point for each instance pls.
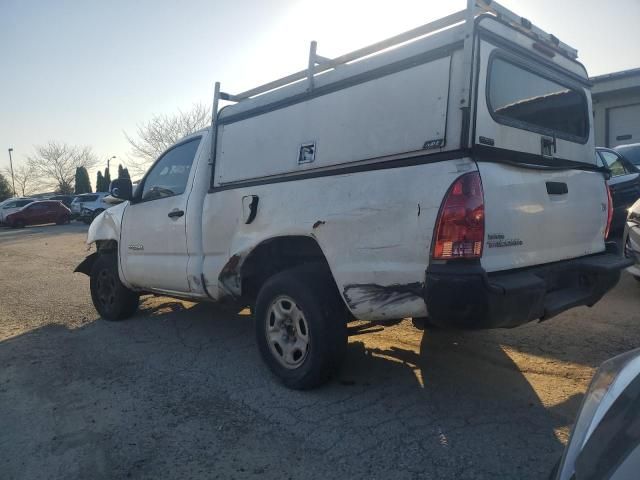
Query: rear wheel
x: 110, y: 297
x: 64, y: 219
x: 18, y: 224
x: 301, y: 329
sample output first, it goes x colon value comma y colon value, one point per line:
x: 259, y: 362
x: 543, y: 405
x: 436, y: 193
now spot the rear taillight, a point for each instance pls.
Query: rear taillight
x: 609, y: 212
x: 460, y: 225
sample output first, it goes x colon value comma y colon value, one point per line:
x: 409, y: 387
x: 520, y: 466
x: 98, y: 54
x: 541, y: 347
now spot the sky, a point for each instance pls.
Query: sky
x: 85, y: 71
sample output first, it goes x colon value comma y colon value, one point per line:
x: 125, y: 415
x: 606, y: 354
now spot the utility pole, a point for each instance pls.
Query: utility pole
x: 13, y: 181
x: 109, y: 161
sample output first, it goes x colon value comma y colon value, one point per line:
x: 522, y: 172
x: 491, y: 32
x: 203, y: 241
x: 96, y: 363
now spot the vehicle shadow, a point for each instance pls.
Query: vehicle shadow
x: 471, y: 399
x: 582, y: 336
x: 115, y: 399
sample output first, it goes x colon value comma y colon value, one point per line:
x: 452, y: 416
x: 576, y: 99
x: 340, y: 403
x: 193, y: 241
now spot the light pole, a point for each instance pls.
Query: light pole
x: 13, y: 182
x: 109, y: 161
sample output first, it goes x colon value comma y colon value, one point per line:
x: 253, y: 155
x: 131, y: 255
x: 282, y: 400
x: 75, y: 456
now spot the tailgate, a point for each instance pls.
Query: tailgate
x: 527, y: 225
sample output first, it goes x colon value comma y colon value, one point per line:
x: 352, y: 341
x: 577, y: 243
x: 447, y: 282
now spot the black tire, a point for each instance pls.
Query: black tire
x: 63, y: 220
x: 314, y: 294
x: 637, y: 277
x: 110, y: 297
x: 18, y: 224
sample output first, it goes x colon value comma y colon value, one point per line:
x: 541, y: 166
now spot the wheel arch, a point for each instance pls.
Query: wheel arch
x: 102, y: 247
x: 244, y: 273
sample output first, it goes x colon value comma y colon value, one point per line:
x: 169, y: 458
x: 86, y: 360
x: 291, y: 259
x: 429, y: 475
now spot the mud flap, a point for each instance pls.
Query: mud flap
x: 87, y: 264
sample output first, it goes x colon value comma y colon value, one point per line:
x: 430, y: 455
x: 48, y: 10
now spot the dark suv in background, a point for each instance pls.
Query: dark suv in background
x: 624, y: 183
x: 65, y: 199
x: 630, y: 152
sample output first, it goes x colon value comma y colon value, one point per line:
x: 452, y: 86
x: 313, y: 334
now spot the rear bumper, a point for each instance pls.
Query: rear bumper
x: 468, y: 297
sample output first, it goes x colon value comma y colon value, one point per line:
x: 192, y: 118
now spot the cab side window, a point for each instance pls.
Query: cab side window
x: 169, y: 176
x: 614, y: 163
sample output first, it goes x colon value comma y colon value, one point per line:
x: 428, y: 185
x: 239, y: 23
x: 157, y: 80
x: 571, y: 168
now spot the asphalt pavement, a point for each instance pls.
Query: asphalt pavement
x: 179, y: 391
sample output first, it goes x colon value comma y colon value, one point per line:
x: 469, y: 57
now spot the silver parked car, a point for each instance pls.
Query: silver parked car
x: 631, y: 239
x: 87, y: 206
x: 12, y: 205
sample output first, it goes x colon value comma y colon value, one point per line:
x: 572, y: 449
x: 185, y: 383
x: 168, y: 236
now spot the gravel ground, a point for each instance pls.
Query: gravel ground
x: 179, y: 391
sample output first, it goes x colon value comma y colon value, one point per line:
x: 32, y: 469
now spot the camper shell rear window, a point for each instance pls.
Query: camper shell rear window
x: 519, y: 97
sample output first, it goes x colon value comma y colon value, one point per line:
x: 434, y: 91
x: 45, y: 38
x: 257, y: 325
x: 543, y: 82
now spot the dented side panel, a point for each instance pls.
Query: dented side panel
x: 373, y: 227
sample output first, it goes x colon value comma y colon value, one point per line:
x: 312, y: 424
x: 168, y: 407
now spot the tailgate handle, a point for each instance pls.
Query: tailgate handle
x: 557, y: 188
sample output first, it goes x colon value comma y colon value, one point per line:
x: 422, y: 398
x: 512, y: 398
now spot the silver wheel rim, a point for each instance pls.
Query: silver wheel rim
x: 287, y: 332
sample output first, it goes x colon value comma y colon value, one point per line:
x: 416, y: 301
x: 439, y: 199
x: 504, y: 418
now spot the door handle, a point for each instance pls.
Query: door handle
x: 176, y: 213
x: 252, y: 201
x: 557, y: 188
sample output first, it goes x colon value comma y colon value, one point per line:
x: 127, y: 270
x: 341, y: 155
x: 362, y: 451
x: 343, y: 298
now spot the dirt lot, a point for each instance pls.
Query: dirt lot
x: 179, y: 391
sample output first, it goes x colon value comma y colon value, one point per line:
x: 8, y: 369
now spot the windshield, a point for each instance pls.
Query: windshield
x: 523, y: 99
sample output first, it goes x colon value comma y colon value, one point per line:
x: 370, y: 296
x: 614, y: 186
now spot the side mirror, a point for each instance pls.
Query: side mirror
x: 121, y: 188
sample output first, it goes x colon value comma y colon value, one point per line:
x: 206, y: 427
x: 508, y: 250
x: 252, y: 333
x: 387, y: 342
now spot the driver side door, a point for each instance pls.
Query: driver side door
x: 153, y: 244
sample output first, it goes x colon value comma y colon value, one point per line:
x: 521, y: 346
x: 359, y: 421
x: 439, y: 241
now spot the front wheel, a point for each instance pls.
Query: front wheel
x: 110, y: 297
x: 301, y: 329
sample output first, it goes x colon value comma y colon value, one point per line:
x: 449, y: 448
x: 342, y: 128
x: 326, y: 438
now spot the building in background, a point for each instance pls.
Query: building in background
x: 616, y: 108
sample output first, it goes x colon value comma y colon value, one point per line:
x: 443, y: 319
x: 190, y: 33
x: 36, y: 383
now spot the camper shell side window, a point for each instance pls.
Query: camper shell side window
x: 538, y: 101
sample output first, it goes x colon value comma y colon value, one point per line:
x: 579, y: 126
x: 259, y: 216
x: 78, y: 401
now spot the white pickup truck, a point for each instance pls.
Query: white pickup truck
x: 447, y: 172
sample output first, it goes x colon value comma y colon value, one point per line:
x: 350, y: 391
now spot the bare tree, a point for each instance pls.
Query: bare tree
x: 55, y: 164
x: 26, y: 179
x: 155, y: 136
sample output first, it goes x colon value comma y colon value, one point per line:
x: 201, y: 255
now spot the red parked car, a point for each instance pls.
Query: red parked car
x: 37, y: 213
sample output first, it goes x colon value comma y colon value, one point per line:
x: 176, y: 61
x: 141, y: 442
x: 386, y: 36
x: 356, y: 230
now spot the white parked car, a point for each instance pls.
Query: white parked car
x: 13, y: 205
x: 447, y: 172
x: 631, y: 239
x: 87, y: 206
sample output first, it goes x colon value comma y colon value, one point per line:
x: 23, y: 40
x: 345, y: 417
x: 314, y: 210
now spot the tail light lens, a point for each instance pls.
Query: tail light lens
x: 609, y: 212
x: 460, y: 225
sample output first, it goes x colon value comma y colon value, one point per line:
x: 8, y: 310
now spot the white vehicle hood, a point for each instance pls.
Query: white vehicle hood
x: 106, y: 226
